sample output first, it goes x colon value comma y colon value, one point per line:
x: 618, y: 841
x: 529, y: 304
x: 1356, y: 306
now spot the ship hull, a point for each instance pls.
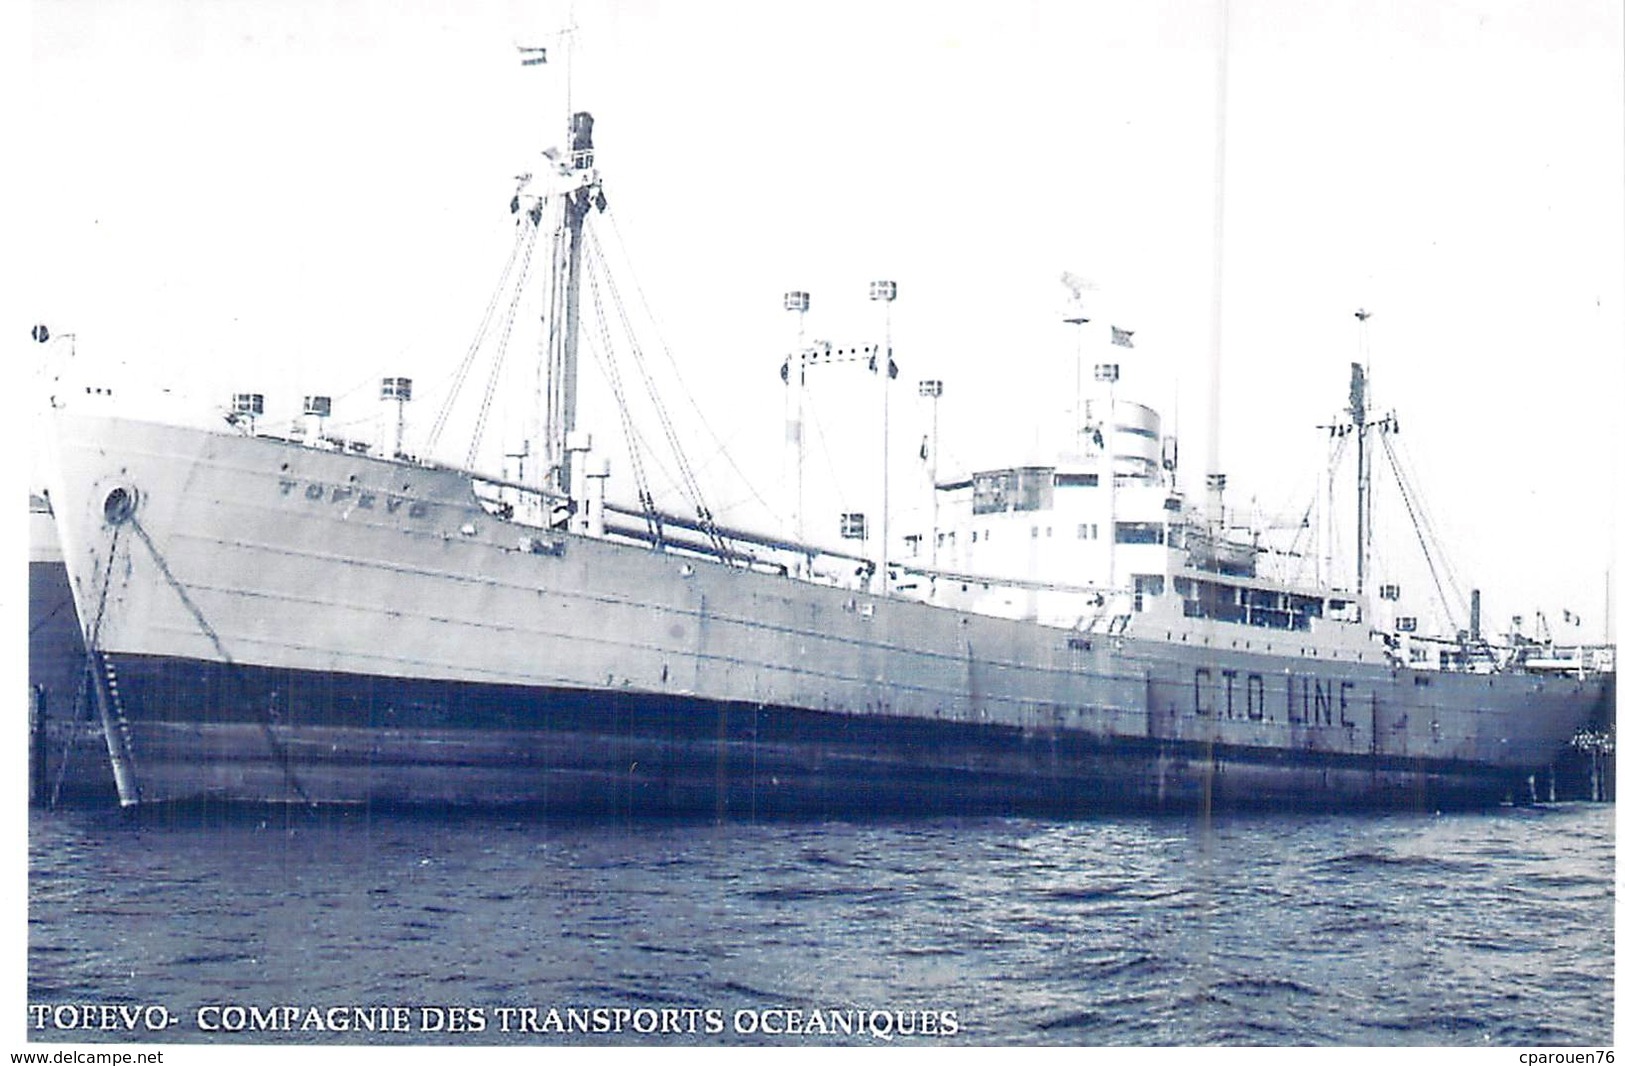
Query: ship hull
x: 55, y: 650
x: 204, y: 731
x: 276, y: 623
x: 67, y: 757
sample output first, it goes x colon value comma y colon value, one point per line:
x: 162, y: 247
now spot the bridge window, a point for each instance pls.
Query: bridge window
x: 1067, y: 481
x: 990, y: 492
x: 1034, y: 488
x: 1030, y: 488
x: 1139, y: 532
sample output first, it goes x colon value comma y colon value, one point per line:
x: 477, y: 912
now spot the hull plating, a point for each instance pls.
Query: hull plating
x: 203, y: 731
x: 259, y: 596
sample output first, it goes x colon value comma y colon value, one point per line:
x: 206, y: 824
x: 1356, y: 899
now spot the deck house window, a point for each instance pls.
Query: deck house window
x: 1139, y: 532
x: 1066, y: 481
x: 990, y: 492
x: 1146, y: 585
x: 1034, y: 488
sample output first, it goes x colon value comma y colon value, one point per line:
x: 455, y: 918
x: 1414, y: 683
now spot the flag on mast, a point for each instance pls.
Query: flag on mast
x: 1124, y: 337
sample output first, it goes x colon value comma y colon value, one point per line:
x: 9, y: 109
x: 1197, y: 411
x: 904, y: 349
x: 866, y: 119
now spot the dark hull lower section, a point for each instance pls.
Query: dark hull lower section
x: 198, y: 731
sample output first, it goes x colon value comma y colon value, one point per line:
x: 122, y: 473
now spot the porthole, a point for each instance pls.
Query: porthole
x: 119, y: 506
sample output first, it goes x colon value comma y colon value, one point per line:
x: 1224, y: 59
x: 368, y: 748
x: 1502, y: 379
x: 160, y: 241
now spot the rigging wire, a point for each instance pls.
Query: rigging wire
x: 502, y: 349
x: 1295, y: 549
x: 702, y: 512
x: 635, y: 437
x: 810, y: 413
x: 524, y: 234
x: 688, y: 482
x: 1310, y: 555
x: 1416, y: 522
x: 1457, y: 585
x: 677, y: 375
x: 608, y: 362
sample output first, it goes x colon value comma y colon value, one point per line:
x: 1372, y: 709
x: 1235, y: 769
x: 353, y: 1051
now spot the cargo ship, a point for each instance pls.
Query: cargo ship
x: 288, y: 618
x: 67, y: 759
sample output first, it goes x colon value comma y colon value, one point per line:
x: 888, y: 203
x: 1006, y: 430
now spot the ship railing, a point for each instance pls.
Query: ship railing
x: 1454, y: 655
x: 538, y: 508
x: 740, y: 547
x: 765, y: 552
x: 1575, y: 660
x: 995, y: 582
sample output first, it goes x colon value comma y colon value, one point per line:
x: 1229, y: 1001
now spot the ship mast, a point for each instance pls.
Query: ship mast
x: 1361, y: 426
x: 1362, y: 477
x: 580, y: 193
x: 1215, y: 476
x: 568, y: 191
x: 884, y: 292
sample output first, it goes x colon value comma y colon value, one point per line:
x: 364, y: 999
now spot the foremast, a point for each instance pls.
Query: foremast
x: 574, y: 189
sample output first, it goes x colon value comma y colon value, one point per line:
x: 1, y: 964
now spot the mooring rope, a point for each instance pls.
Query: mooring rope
x: 233, y: 669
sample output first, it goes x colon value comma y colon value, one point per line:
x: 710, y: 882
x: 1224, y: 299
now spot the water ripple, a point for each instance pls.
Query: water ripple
x: 1448, y: 930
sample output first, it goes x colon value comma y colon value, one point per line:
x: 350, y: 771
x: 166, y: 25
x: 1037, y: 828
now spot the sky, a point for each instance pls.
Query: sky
x: 300, y: 197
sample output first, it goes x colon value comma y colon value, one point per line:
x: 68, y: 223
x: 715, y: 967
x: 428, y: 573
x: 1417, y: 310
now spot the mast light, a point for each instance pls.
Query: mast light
x: 796, y: 301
